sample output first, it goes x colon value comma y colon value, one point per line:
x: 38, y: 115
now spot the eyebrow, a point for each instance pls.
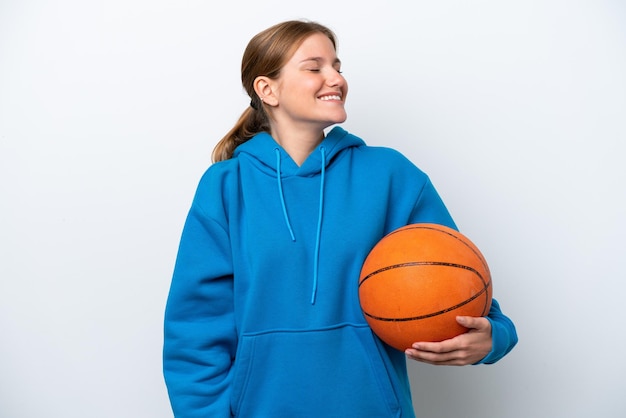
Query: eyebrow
x: 318, y: 59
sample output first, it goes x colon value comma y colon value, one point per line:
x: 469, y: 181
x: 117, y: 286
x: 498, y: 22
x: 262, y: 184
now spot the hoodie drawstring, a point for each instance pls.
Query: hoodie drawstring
x: 282, y: 196
x: 319, y: 216
x: 316, y: 259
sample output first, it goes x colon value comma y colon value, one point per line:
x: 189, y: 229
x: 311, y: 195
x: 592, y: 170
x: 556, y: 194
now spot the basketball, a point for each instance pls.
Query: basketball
x: 418, y: 279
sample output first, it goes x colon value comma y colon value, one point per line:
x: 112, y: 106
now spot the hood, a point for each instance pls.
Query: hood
x: 264, y: 150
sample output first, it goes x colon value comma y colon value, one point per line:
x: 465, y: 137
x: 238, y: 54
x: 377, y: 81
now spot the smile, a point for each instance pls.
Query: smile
x: 334, y: 97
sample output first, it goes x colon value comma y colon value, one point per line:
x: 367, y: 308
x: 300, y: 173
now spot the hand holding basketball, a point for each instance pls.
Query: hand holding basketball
x: 461, y: 350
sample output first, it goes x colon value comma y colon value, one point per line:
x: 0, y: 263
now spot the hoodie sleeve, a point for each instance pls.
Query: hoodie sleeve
x: 430, y: 208
x: 503, y: 334
x: 199, y: 331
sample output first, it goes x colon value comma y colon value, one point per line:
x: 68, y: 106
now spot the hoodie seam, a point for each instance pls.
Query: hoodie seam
x: 304, y: 330
x: 208, y: 217
x: 420, y: 194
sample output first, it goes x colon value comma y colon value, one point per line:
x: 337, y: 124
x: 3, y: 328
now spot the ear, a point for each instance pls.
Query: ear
x: 264, y: 88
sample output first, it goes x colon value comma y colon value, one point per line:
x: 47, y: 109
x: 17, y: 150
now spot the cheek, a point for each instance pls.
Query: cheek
x: 305, y: 86
x: 300, y: 90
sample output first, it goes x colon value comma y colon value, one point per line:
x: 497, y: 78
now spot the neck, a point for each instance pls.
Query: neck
x: 299, y: 144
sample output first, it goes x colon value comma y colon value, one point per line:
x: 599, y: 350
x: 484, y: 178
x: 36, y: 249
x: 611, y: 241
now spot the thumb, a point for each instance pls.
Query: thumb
x: 471, y: 322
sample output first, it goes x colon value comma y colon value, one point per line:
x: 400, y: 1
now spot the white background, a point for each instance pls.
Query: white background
x: 109, y: 111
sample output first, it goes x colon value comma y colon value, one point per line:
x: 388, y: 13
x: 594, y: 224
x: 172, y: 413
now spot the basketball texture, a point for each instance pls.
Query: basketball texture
x: 418, y: 279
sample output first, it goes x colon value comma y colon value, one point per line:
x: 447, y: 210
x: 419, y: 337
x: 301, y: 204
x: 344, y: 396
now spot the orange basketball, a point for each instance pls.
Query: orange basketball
x: 418, y: 279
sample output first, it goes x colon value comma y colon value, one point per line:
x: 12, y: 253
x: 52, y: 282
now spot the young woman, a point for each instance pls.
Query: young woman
x: 263, y: 317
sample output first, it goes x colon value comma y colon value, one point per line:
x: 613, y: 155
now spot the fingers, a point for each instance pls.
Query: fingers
x: 467, y: 348
x: 449, y: 352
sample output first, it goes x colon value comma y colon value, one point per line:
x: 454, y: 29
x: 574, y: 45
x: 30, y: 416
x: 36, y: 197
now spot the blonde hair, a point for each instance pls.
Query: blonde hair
x: 266, y: 54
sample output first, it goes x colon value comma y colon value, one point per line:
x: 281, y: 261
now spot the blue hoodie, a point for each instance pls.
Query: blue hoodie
x: 263, y: 317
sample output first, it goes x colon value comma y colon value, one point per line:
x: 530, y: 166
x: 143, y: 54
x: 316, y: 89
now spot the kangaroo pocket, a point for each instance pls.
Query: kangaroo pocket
x: 334, y: 372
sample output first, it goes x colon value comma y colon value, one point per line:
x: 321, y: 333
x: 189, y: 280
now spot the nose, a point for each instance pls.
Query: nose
x: 335, y: 79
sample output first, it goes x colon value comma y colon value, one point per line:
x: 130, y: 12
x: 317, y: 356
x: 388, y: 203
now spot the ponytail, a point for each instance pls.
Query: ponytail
x: 252, y: 121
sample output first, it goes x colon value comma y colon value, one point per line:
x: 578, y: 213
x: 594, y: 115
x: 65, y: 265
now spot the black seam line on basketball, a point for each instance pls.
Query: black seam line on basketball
x: 430, y: 315
x: 424, y: 263
x: 432, y: 228
x: 478, y: 254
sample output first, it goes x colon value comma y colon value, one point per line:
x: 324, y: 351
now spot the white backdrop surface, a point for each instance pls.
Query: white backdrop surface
x: 109, y: 111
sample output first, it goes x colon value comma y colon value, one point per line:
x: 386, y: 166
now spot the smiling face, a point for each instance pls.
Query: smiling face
x: 310, y: 92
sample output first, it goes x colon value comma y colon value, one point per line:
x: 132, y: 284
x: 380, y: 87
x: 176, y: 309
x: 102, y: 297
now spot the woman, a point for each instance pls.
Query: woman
x: 263, y: 317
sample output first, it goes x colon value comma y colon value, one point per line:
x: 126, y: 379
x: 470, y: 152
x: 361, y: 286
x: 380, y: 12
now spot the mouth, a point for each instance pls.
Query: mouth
x: 330, y: 97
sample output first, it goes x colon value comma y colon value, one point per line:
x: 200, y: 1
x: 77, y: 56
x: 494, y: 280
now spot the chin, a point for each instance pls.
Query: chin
x: 332, y: 120
x: 340, y: 118
x: 330, y: 123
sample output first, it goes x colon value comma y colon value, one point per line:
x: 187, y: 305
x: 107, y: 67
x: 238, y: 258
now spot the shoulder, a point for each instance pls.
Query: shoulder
x: 219, y: 173
x: 385, y: 153
x: 376, y: 153
x: 390, y: 160
x: 217, y: 185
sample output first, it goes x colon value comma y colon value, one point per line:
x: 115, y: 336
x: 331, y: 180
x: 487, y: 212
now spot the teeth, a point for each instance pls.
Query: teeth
x: 336, y: 97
